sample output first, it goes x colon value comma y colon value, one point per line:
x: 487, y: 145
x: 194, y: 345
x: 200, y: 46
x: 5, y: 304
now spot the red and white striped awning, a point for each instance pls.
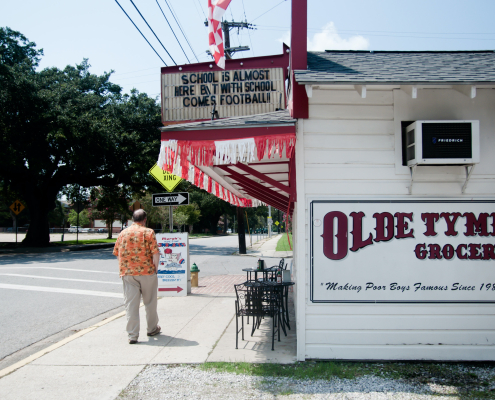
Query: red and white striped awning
x: 246, y: 161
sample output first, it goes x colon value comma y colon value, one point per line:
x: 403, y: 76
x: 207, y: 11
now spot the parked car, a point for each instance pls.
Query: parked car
x: 102, y: 230
x: 74, y: 229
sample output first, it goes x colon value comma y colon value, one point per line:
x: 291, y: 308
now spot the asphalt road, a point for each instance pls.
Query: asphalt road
x: 48, y: 294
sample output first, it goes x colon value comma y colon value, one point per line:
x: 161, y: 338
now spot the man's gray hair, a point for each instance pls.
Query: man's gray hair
x: 139, y: 215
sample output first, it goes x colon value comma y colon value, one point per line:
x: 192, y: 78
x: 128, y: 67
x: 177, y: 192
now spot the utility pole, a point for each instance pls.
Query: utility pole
x: 226, y: 27
x: 270, y: 221
x: 240, y: 231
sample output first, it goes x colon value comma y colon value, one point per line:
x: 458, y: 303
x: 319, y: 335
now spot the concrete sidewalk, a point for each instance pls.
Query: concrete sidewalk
x: 98, y: 363
x: 266, y: 248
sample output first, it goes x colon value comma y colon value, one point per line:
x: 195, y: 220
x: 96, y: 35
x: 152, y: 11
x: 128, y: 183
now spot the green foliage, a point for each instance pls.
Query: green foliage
x: 155, y: 215
x: 16, y: 49
x: 211, y: 208
x: 192, y: 213
x: 83, y: 218
x: 68, y: 127
x: 180, y: 219
x: 110, y: 203
x: 283, y: 244
x: 256, y: 218
x: 89, y: 241
x: 58, y: 215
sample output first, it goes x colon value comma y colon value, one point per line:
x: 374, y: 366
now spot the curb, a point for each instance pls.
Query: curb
x: 61, y: 249
x: 55, y: 346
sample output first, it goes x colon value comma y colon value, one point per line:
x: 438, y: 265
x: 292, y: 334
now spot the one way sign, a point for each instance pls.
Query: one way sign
x: 170, y: 199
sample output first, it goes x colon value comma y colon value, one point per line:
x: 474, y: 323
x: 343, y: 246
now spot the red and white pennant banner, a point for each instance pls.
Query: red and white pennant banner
x: 175, y: 155
x: 171, y: 162
x: 216, y: 9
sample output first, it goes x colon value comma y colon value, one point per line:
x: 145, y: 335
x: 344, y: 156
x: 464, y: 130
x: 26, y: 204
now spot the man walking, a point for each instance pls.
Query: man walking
x: 138, y: 255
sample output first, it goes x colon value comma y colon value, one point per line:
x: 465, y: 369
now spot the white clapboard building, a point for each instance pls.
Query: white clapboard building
x: 385, y: 160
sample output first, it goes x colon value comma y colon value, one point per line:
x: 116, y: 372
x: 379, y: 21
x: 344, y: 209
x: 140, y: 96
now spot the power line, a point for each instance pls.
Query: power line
x: 249, y: 35
x: 418, y: 35
x: 392, y: 33
x: 244, y: 8
x: 201, y: 8
x: 144, y: 19
x: 173, y: 31
x: 141, y: 33
x: 232, y: 14
x: 180, y: 27
x: 259, y: 16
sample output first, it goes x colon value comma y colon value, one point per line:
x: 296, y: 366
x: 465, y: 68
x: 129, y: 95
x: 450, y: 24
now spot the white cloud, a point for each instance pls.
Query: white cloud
x: 329, y: 39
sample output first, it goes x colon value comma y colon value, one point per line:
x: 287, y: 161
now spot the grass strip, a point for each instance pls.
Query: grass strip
x: 88, y: 241
x: 283, y: 244
x: 468, y: 380
x: 307, y: 370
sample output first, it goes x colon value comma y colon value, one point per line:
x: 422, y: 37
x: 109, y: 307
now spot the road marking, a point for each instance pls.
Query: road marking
x: 60, y: 290
x: 62, y: 279
x: 65, y: 269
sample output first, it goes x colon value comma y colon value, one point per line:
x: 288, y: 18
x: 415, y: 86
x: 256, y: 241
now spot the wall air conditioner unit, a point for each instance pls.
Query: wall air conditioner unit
x: 443, y: 143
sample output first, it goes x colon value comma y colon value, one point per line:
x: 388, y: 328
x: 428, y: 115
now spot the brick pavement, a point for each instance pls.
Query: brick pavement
x: 218, y: 284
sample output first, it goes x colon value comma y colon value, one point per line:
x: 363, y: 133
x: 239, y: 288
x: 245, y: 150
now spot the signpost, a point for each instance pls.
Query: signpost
x: 169, y: 182
x: 16, y: 208
x: 173, y: 268
x: 170, y: 199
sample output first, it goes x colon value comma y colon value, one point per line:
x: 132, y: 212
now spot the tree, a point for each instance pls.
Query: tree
x: 155, y: 215
x: 110, y: 204
x: 58, y: 215
x: 63, y: 127
x: 256, y: 217
x: 83, y: 218
x: 210, y: 206
x: 180, y: 219
x: 192, y: 213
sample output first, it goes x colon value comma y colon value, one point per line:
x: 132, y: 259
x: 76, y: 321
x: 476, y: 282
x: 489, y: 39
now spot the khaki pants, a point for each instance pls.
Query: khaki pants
x: 134, y: 287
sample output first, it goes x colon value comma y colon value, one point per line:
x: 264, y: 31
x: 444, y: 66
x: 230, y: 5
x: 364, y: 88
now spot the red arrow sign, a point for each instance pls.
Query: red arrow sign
x: 177, y: 289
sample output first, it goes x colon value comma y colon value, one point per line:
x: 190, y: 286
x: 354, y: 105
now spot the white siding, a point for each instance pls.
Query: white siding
x: 352, y: 147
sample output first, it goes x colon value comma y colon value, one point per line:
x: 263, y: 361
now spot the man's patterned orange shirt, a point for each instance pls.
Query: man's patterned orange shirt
x: 135, y: 247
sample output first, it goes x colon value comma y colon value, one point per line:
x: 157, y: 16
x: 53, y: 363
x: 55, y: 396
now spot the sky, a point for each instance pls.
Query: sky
x: 69, y: 31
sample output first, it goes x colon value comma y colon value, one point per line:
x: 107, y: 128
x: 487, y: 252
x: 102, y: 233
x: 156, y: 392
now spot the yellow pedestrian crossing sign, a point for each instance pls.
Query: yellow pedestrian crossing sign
x: 166, y: 179
x: 17, y: 207
x: 277, y: 223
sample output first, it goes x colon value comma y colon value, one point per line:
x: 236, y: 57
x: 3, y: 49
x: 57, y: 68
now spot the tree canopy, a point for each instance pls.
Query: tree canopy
x: 66, y: 127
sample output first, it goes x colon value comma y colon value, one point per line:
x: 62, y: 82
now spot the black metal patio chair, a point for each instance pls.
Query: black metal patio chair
x: 257, y: 300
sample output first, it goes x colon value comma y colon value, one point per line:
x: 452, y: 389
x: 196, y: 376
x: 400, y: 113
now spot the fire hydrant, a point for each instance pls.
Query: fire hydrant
x: 194, y: 275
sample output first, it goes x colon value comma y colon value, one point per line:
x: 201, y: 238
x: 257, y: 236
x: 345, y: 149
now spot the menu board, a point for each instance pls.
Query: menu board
x: 173, y: 267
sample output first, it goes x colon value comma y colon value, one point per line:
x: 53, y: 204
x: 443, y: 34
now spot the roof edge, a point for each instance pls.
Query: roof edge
x: 405, y: 51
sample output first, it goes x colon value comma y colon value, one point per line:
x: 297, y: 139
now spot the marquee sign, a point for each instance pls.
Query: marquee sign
x: 402, y: 251
x: 192, y: 95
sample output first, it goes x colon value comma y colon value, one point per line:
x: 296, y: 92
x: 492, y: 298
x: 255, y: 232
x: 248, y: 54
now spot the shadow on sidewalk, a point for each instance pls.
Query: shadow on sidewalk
x: 167, y: 341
